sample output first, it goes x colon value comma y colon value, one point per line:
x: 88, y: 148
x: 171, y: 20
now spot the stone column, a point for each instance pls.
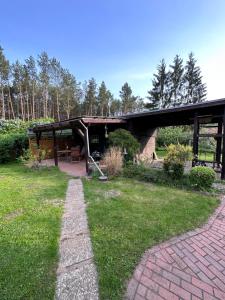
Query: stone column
x: 148, y: 142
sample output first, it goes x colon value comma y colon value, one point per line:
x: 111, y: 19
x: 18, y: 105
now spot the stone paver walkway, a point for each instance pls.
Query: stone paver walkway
x: 76, y: 274
x: 190, y: 267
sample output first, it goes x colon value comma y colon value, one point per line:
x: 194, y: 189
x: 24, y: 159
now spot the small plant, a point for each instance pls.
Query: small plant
x: 126, y: 141
x: 202, y: 177
x: 33, y: 160
x: 113, y: 159
x: 175, y: 159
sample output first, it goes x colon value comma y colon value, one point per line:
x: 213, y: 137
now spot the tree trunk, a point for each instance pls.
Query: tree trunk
x: 68, y: 108
x: 27, y: 102
x: 3, y: 103
x: 57, y: 105
x: 21, y: 103
x: 33, y: 97
x: 11, y: 104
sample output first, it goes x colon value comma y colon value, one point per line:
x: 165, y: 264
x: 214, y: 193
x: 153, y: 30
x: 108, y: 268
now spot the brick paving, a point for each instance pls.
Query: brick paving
x: 190, y: 267
x: 76, y: 169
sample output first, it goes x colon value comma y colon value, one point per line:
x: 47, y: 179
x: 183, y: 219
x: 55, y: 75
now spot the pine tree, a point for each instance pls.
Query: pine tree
x: 176, y: 81
x: 194, y: 89
x: 158, y: 95
x: 127, y: 98
x: 32, y: 71
x: 103, y: 99
x: 4, y: 72
x: 140, y: 105
x: 90, y: 99
x: 44, y: 77
x: 115, y: 107
x: 70, y: 94
x: 18, y: 73
x: 56, y: 76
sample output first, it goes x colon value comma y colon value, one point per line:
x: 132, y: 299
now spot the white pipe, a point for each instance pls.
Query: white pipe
x: 88, y: 148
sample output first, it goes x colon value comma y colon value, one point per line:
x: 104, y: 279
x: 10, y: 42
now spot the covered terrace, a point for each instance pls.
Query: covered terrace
x: 84, y: 138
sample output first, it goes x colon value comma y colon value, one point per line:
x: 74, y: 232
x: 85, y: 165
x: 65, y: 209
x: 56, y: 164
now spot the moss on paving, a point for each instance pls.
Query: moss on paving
x: 31, y: 205
x: 134, y: 218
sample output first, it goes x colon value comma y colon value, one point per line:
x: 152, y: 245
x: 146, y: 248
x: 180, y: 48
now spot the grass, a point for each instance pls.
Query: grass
x: 31, y: 205
x: 207, y: 156
x: 127, y: 217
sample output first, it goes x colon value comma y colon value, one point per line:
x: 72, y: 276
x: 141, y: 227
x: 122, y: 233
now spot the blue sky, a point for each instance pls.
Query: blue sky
x: 118, y: 41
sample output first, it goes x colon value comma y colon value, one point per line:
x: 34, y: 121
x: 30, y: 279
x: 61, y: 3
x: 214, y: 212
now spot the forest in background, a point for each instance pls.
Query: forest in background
x: 43, y: 88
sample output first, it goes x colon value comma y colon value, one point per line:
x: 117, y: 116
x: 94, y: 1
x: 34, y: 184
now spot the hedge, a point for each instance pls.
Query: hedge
x: 173, y: 135
x: 12, y: 146
x: 202, y: 177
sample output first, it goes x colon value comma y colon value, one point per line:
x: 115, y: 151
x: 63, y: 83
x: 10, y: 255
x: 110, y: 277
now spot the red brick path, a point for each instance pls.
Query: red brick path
x: 77, y: 169
x: 191, y: 266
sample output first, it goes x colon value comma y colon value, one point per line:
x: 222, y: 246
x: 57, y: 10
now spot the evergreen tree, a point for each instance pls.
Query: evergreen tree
x: 90, y: 99
x: 127, y: 98
x: 32, y: 72
x: 194, y: 89
x: 4, y: 73
x: 115, y: 107
x: 140, y: 105
x: 103, y: 99
x: 44, y: 77
x: 56, y: 72
x: 18, y: 73
x: 70, y: 94
x: 176, y: 81
x: 158, y: 95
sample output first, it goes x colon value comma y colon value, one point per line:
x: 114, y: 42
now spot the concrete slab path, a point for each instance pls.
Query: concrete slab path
x: 190, y: 267
x: 76, y: 274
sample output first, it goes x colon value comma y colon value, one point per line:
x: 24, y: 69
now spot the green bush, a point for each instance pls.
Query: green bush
x: 202, y: 177
x: 175, y: 159
x: 12, y: 146
x: 173, y: 135
x: 143, y: 173
x: 174, y: 169
x: 125, y: 140
x: 19, y: 126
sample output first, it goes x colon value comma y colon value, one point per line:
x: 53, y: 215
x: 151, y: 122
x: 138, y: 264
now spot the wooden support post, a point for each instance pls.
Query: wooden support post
x: 195, y: 139
x: 219, y: 143
x: 38, y: 137
x: 55, y: 148
x: 223, y: 150
x: 86, y: 141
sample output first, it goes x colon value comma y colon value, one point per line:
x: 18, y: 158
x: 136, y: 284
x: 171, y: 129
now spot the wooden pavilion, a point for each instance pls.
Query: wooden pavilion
x: 143, y: 126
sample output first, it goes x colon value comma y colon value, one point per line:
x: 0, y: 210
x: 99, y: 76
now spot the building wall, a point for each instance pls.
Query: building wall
x: 45, y: 144
x: 148, y: 143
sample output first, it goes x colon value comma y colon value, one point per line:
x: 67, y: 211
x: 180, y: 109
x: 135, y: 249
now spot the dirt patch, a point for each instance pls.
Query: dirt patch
x: 13, y: 215
x: 55, y: 202
x: 112, y: 194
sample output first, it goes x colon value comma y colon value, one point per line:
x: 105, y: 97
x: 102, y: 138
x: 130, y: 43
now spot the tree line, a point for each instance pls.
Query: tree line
x: 179, y: 85
x: 43, y: 88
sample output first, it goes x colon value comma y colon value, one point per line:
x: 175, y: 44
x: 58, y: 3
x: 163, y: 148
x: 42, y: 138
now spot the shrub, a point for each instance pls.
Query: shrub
x: 12, y: 146
x: 173, y: 135
x: 124, y: 140
x: 174, y: 161
x: 19, y: 126
x: 153, y: 175
x: 202, y: 177
x: 113, y: 159
x: 33, y: 160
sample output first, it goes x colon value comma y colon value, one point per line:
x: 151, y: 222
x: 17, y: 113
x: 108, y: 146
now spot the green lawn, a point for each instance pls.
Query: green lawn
x: 31, y: 205
x: 208, y: 156
x: 127, y: 217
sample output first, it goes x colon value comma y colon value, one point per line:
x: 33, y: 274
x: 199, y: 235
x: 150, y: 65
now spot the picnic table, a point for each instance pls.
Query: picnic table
x: 64, y: 153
